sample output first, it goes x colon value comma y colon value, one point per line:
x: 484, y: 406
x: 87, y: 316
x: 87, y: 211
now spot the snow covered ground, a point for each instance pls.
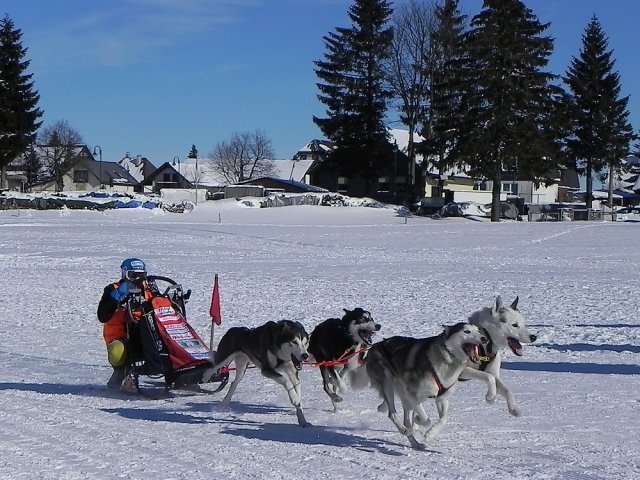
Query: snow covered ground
x: 579, y: 384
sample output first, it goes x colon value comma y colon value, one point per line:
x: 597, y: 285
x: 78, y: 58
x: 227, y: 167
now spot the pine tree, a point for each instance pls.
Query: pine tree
x: 441, y: 117
x: 353, y: 91
x: 509, y: 99
x: 18, y: 99
x: 601, y: 135
x: 193, y: 153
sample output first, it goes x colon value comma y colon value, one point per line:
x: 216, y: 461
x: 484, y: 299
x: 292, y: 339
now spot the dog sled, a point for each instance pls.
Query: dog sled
x: 160, y: 341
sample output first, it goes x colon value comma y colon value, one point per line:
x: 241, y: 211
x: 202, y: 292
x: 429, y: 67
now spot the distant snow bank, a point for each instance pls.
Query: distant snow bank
x: 174, y: 201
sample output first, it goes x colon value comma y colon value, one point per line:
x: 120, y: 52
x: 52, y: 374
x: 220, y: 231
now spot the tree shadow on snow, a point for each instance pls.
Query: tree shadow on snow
x: 600, y: 368
x: 84, y: 390
x: 589, y: 347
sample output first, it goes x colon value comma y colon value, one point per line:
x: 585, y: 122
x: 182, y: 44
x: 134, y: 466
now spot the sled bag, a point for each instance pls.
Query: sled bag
x: 172, y: 342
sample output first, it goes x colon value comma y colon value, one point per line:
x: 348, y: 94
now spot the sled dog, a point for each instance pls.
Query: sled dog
x: 504, y: 327
x: 417, y: 369
x: 276, y: 348
x: 338, y: 339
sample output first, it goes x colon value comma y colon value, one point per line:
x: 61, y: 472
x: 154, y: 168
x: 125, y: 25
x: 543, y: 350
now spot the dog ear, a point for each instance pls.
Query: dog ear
x: 497, y: 304
x: 514, y: 305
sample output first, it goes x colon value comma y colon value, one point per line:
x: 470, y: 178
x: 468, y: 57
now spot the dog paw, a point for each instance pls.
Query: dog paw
x: 490, y: 398
x: 416, y: 445
x: 382, y: 408
x: 515, y: 410
x: 336, y: 398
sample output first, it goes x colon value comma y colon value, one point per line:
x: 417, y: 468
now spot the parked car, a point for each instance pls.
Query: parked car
x: 628, y: 214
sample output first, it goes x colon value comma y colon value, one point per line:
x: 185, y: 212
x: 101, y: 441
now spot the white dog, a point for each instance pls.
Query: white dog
x: 505, y: 327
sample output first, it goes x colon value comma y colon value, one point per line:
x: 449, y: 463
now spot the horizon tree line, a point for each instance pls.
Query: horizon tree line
x: 475, y: 89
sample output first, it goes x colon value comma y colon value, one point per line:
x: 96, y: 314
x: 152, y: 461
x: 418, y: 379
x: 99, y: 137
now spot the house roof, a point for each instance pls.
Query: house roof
x: 292, y: 169
x: 316, y: 146
x: 162, y: 169
x: 110, y: 173
x: 138, y: 167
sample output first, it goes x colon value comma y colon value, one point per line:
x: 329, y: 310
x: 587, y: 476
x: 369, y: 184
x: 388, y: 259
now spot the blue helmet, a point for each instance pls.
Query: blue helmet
x: 133, y: 269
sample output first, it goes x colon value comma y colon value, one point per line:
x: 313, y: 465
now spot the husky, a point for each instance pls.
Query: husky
x: 417, y: 369
x: 336, y: 344
x: 505, y: 327
x: 278, y: 349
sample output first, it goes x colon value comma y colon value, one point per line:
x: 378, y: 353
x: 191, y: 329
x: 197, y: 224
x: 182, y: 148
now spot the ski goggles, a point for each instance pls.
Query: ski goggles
x: 136, y: 276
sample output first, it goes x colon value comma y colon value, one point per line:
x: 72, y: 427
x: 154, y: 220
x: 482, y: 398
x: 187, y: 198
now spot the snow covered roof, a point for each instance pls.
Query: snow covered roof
x: 292, y: 169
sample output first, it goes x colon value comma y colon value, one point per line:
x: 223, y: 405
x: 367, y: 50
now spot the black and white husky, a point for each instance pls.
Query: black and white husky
x: 505, y: 327
x: 337, y: 339
x: 276, y: 348
x: 417, y: 369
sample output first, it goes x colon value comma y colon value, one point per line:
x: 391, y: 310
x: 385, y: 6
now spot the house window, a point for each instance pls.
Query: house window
x: 510, y: 188
x: 303, y: 157
x: 383, y: 184
x: 343, y: 184
x: 81, y: 176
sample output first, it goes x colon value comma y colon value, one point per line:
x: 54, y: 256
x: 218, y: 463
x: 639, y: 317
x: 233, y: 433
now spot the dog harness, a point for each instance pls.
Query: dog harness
x: 441, y: 388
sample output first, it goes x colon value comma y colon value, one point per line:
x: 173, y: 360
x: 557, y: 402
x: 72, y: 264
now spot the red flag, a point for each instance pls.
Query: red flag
x: 214, y: 310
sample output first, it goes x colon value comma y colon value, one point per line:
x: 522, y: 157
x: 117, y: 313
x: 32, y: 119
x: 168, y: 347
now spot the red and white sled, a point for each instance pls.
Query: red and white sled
x: 161, y: 342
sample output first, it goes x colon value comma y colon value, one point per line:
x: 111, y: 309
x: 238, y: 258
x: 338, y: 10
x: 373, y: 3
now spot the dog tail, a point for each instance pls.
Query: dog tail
x: 358, y: 378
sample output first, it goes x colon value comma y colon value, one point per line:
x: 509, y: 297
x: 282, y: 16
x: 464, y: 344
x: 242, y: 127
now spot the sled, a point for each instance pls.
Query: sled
x: 160, y: 340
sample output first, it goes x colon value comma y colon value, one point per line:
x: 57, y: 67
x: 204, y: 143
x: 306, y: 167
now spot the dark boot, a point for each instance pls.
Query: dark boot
x: 117, y: 377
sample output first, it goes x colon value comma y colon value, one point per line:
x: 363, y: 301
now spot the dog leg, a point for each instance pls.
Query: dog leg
x: 512, y: 403
x: 341, y: 385
x: 488, y: 378
x: 329, y: 386
x: 442, y: 404
x: 241, y: 362
x: 388, y: 396
x: 291, y: 384
x: 409, y: 415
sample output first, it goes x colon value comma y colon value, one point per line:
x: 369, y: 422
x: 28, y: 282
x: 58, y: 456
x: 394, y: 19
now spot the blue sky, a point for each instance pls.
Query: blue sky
x: 153, y: 77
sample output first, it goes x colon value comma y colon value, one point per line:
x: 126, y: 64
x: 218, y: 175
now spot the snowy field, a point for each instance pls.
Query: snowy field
x: 579, y: 384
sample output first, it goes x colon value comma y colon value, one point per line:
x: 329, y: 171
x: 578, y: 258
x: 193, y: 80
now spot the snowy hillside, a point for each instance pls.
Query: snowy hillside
x: 579, y: 384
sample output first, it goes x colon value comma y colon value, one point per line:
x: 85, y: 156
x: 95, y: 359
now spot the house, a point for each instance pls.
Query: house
x: 398, y: 177
x: 166, y: 175
x: 86, y: 174
x: 457, y: 186
x: 89, y: 175
x: 139, y: 167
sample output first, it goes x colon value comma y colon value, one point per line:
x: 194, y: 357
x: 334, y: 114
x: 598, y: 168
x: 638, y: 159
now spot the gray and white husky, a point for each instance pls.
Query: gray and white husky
x: 417, y: 369
x: 276, y: 348
x: 505, y: 327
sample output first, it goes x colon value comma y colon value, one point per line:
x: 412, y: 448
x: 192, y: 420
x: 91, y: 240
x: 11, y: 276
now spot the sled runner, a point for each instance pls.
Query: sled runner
x: 161, y: 342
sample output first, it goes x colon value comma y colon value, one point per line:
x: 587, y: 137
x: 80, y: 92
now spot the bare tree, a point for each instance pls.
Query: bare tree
x: 242, y: 157
x: 193, y: 173
x: 409, y: 69
x: 60, y: 152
